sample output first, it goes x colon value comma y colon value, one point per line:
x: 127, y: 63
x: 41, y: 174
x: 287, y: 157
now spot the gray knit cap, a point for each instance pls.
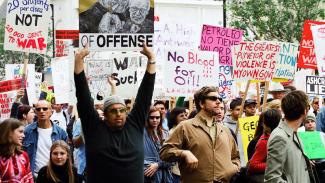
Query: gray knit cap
x: 311, y: 116
x: 114, y: 99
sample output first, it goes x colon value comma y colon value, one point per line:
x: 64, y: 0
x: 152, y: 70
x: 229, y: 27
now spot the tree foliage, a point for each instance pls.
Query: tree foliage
x: 278, y: 20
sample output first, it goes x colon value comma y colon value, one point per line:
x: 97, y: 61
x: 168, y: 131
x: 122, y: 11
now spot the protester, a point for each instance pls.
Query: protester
x: 114, y: 146
x: 40, y: 135
x: 320, y: 120
x: 14, y: 162
x: 258, y: 133
x: 207, y: 150
x: 59, y: 168
x: 277, y: 90
x: 177, y: 115
x: 79, y: 148
x: 161, y: 106
x: 26, y: 114
x: 286, y: 161
x: 315, y: 105
x: 155, y: 170
x: 59, y: 116
x: 250, y: 107
x: 257, y: 164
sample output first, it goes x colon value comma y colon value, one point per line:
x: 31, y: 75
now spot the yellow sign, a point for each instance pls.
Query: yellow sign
x: 247, y: 128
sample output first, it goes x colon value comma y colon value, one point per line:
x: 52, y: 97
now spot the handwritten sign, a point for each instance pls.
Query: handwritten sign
x: 220, y: 39
x: 62, y: 47
x: 307, y: 57
x: 61, y: 79
x: 315, y: 85
x: 227, y: 87
x: 319, y: 43
x: 247, y: 127
x: 313, y: 145
x: 38, y: 81
x: 286, y: 61
x: 6, y: 100
x: 14, y: 71
x: 255, y: 60
x: 27, y: 25
x: 125, y: 27
x: 186, y: 71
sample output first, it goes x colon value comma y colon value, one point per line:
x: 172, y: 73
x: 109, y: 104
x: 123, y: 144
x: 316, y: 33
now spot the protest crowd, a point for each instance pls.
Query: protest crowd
x: 234, y: 111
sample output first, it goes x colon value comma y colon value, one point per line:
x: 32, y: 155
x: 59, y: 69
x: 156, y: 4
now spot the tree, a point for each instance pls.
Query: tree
x: 278, y: 20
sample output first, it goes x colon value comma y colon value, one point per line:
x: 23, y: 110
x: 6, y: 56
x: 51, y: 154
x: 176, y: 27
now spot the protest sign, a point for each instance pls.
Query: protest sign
x: 319, y: 44
x: 255, y: 60
x: 315, y: 85
x: 307, y: 57
x: 11, y: 85
x: 125, y: 27
x: 313, y: 144
x: 247, y: 128
x: 286, y: 61
x: 38, y: 81
x: 169, y: 34
x: 186, y: 71
x: 6, y: 100
x: 67, y: 34
x: 14, y: 71
x: 220, y: 39
x: 62, y: 47
x: 61, y: 79
x: 227, y: 87
x: 27, y: 25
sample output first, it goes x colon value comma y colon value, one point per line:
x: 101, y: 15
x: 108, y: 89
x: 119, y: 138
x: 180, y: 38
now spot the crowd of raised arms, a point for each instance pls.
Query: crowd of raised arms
x: 160, y: 141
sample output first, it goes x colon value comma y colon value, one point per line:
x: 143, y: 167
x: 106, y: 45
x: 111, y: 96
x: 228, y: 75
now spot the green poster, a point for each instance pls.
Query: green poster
x: 313, y: 144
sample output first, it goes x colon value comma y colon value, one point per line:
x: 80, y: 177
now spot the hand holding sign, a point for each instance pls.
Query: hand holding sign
x: 147, y: 52
x: 79, y: 58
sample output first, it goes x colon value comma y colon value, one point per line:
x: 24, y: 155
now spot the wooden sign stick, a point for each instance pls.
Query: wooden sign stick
x: 242, y: 104
x: 266, y: 92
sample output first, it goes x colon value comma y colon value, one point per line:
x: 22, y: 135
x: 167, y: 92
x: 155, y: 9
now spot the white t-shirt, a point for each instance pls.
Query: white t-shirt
x: 44, y: 144
x: 59, y: 119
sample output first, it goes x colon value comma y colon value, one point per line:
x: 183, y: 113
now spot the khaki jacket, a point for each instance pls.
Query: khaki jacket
x: 218, y: 162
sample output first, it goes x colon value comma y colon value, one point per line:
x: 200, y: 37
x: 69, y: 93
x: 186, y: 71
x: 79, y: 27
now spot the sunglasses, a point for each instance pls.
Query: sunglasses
x: 154, y: 117
x: 316, y: 103
x: 116, y: 111
x: 41, y: 108
x: 213, y: 98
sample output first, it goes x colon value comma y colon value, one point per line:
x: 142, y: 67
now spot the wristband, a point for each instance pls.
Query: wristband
x: 151, y: 62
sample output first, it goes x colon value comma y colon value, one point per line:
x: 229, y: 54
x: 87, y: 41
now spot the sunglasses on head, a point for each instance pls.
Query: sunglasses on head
x: 213, y: 98
x: 41, y: 108
x: 154, y: 117
x: 116, y: 111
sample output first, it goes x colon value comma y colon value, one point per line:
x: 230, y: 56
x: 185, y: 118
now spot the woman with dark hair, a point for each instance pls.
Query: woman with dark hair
x: 155, y: 170
x: 14, y: 162
x: 26, y: 114
x: 59, y: 168
x: 258, y: 133
x: 257, y: 164
x: 177, y: 115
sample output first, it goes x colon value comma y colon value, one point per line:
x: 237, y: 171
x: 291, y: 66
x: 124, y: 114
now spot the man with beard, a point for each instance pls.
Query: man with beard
x: 205, y: 149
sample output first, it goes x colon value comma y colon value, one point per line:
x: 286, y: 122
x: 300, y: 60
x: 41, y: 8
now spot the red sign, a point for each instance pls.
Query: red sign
x: 307, y: 57
x: 67, y: 34
x: 11, y: 85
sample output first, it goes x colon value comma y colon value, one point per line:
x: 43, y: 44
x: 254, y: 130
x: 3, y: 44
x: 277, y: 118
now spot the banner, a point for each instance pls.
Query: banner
x: 6, y: 100
x: 307, y: 57
x: 255, y: 60
x: 14, y: 71
x: 315, y: 85
x: 11, y: 85
x: 286, y: 61
x: 319, y: 44
x: 313, y: 144
x: 61, y: 79
x: 220, y: 39
x: 116, y: 25
x: 186, y: 71
x: 247, y: 128
x: 27, y: 24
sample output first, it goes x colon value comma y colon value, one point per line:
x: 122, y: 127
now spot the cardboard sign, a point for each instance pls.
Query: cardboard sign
x: 14, y: 71
x: 220, y: 39
x: 27, y: 25
x: 6, y: 100
x: 247, y: 128
x: 186, y: 71
x: 61, y: 79
x: 286, y: 61
x: 313, y: 144
x: 124, y: 27
x: 307, y: 57
x: 11, y: 85
x: 255, y: 60
x: 315, y: 85
x: 319, y: 44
